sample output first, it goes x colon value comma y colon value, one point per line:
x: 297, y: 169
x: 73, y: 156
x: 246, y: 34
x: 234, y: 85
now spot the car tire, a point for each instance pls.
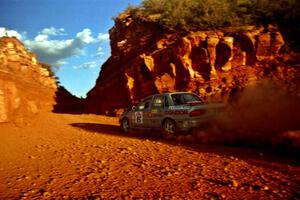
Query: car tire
x: 125, y: 125
x: 169, y: 128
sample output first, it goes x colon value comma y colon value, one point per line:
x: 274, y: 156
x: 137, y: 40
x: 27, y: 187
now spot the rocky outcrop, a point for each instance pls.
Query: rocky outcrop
x: 26, y: 86
x: 147, y: 59
x: 67, y: 103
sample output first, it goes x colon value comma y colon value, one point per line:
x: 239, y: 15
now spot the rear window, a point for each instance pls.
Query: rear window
x: 182, y: 99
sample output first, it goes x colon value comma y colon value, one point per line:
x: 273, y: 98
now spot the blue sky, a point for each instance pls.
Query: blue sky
x: 71, y: 35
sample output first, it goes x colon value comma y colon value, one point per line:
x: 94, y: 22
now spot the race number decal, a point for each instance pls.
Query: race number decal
x: 138, y: 117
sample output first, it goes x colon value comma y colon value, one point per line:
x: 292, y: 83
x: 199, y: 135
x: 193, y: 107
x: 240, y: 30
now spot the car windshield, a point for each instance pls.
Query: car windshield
x: 185, y: 98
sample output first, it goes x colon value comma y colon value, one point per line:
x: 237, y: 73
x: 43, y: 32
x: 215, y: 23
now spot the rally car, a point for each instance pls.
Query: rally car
x: 170, y: 112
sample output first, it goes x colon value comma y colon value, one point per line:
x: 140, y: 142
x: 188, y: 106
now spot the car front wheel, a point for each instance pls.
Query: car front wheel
x: 125, y: 125
x: 169, y: 128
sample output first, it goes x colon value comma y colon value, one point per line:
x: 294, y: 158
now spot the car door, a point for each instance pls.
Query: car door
x: 157, y: 111
x: 139, y: 117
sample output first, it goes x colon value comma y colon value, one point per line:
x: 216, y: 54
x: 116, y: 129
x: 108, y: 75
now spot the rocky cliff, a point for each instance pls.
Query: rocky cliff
x: 67, y: 103
x: 148, y: 59
x: 26, y: 86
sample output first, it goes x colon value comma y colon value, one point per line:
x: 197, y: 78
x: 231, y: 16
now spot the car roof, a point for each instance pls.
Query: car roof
x: 166, y: 93
x: 170, y: 93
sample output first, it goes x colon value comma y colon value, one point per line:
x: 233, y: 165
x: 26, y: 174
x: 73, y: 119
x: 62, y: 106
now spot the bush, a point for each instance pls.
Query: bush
x: 207, y: 14
x: 48, y: 68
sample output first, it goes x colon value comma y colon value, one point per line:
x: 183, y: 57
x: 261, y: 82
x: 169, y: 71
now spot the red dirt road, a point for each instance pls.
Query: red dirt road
x: 88, y: 157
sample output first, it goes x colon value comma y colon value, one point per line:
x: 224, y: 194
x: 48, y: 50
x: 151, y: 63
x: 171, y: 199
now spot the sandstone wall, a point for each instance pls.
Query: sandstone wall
x: 147, y: 59
x: 26, y: 87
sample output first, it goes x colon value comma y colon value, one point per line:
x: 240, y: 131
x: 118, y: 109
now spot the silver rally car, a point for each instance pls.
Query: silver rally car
x: 169, y: 112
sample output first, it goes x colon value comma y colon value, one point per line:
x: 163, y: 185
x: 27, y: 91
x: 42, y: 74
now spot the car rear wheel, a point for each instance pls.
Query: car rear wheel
x: 169, y: 128
x: 125, y: 125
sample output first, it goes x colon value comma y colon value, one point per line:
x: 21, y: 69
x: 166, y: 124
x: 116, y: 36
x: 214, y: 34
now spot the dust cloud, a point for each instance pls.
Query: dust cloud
x: 267, y: 113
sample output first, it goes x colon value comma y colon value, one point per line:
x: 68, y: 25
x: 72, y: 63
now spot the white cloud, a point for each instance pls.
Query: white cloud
x: 54, y: 51
x: 40, y: 38
x: 100, y: 51
x: 86, y: 36
x: 103, y: 37
x: 61, y: 62
x: 9, y: 33
x: 53, y: 31
x: 87, y: 65
x: 23, y: 35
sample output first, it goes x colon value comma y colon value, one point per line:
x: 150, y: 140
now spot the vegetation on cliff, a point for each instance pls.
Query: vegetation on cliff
x: 203, y: 14
x: 214, y: 14
x: 50, y: 69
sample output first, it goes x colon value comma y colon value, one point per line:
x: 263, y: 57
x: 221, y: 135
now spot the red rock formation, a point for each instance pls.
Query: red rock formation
x: 26, y: 86
x: 67, y: 103
x: 147, y: 59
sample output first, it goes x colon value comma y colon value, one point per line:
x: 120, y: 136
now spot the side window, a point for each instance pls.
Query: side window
x: 158, y: 102
x: 166, y: 102
x: 177, y: 99
x: 143, y: 105
x: 147, y: 105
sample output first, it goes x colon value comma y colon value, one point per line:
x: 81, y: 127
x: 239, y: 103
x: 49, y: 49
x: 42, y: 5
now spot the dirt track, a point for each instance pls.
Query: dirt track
x: 86, y: 156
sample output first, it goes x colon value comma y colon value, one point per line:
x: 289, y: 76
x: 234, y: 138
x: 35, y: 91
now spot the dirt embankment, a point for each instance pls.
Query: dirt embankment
x: 86, y: 156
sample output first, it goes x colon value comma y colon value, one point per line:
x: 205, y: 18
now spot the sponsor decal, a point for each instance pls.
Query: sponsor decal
x: 176, y: 112
x: 179, y: 107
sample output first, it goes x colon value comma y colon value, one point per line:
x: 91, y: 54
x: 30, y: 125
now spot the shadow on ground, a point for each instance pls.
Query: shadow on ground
x: 259, y: 157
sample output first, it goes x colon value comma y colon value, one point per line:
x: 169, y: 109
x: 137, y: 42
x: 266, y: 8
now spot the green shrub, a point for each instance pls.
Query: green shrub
x: 204, y: 14
x: 49, y: 68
